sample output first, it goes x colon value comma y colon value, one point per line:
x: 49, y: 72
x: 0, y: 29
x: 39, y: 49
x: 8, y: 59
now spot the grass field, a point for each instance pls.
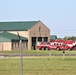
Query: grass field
x: 42, y: 65
x: 38, y: 66
x: 37, y: 52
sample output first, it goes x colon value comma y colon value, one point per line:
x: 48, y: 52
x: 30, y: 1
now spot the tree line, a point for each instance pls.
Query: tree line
x: 70, y: 38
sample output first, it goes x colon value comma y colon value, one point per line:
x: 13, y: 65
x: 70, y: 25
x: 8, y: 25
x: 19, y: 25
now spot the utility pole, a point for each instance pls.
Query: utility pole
x: 21, y: 64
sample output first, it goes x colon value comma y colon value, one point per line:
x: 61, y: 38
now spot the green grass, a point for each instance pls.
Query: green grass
x: 25, y: 52
x: 37, y: 52
x: 38, y: 66
x: 50, y: 65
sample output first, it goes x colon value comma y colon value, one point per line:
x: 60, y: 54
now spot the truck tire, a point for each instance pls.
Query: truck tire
x: 69, y: 49
x: 46, y: 48
x: 57, y: 48
x: 42, y: 48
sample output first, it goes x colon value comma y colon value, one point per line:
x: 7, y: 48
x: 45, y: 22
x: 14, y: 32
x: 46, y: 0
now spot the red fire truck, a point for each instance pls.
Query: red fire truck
x: 57, y: 45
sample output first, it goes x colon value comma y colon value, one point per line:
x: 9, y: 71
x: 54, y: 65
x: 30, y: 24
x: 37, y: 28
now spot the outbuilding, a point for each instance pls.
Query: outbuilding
x: 31, y: 33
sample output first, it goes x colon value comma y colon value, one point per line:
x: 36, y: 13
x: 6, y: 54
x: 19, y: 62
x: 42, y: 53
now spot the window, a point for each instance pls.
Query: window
x: 39, y: 39
x: 39, y: 29
x: 45, y: 39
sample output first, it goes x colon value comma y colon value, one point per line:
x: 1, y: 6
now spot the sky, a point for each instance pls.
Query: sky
x: 58, y: 15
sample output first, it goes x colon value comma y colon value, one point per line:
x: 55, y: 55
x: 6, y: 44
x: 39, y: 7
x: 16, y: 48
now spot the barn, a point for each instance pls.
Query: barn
x: 30, y: 32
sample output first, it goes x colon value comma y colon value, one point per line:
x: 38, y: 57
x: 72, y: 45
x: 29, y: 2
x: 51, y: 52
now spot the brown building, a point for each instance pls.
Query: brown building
x: 30, y: 32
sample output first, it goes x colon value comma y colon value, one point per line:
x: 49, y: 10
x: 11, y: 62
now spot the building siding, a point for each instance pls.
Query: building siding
x: 1, y: 46
x: 21, y: 33
x: 34, y: 32
x: 6, y: 46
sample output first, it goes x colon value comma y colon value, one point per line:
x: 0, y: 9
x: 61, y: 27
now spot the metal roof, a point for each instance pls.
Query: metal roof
x: 17, y: 26
x: 53, y: 37
x: 6, y: 37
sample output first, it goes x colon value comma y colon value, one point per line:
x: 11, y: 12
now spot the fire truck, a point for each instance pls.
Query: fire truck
x: 57, y: 45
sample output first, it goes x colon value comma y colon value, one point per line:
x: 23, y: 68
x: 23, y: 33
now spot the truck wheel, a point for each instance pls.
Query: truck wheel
x: 46, y: 48
x: 42, y: 48
x: 58, y: 48
x: 69, y: 49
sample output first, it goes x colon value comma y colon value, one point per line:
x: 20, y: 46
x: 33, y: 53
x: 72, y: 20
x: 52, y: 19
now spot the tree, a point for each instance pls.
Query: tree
x: 70, y: 38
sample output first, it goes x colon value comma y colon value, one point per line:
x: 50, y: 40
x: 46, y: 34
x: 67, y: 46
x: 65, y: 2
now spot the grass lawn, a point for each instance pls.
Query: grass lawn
x: 37, y: 52
x: 38, y: 66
